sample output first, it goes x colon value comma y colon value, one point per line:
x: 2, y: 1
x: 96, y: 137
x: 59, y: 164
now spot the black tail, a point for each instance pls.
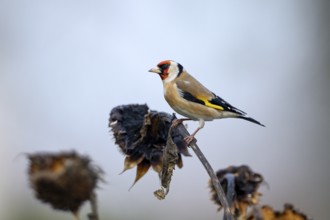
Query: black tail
x: 251, y: 120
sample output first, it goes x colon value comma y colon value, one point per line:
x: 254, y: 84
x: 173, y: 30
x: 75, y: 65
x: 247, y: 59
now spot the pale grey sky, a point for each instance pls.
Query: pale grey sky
x: 65, y: 64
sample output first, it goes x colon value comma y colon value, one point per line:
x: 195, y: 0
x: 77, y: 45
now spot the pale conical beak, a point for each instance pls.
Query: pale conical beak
x: 155, y: 70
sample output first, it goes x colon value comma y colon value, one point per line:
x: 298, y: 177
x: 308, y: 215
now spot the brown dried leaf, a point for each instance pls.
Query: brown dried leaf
x: 170, y: 159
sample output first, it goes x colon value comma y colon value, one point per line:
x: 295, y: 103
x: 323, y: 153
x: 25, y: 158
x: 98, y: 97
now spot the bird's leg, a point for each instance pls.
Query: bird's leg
x: 176, y: 122
x: 191, y: 137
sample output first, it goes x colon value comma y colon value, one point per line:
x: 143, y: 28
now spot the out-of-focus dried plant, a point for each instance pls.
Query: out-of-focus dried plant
x: 268, y: 213
x: 64, y: 180
x: 240, y: 184
x: 141, y: 135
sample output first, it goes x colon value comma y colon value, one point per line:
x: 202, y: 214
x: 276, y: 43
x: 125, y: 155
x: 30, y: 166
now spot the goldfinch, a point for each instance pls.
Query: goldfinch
x: 190, y: 98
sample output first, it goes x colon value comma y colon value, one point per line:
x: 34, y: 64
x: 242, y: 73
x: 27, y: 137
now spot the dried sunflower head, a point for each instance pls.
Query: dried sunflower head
x: 141, y: 135
x: 64, y: 180
x: 245, y: 184
x: 268, y: 213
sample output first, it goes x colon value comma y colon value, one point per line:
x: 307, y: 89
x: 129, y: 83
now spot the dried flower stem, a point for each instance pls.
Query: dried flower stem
x: 93, y: 215
x: 215, y: 181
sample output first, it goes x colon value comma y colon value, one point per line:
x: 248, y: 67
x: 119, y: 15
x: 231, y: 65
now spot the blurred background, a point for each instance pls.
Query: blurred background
x: 65, y: 64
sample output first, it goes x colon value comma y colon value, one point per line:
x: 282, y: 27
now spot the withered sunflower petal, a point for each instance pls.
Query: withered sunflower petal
x: 157, y: 163
x: 142, y: 169
x: 130, y: 162
x: 180, y: 162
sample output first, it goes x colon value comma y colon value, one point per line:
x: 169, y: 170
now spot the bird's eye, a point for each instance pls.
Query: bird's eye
x: 164, y: 66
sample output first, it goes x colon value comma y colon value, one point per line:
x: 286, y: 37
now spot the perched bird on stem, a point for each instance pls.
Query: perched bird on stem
x: 190, y: 98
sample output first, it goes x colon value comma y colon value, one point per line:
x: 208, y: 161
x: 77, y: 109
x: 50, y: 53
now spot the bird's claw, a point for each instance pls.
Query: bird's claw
x: 176, y: 122
x: 190, y: 139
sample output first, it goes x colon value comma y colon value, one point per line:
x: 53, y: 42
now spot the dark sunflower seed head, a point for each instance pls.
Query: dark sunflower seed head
x: 64, y: 180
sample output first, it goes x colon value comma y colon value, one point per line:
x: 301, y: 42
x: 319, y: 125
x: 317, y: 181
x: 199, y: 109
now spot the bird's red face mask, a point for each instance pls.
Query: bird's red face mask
x: 162, y: 69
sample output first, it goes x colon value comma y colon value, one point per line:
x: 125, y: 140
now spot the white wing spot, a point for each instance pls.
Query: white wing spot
x: 180, y: 92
